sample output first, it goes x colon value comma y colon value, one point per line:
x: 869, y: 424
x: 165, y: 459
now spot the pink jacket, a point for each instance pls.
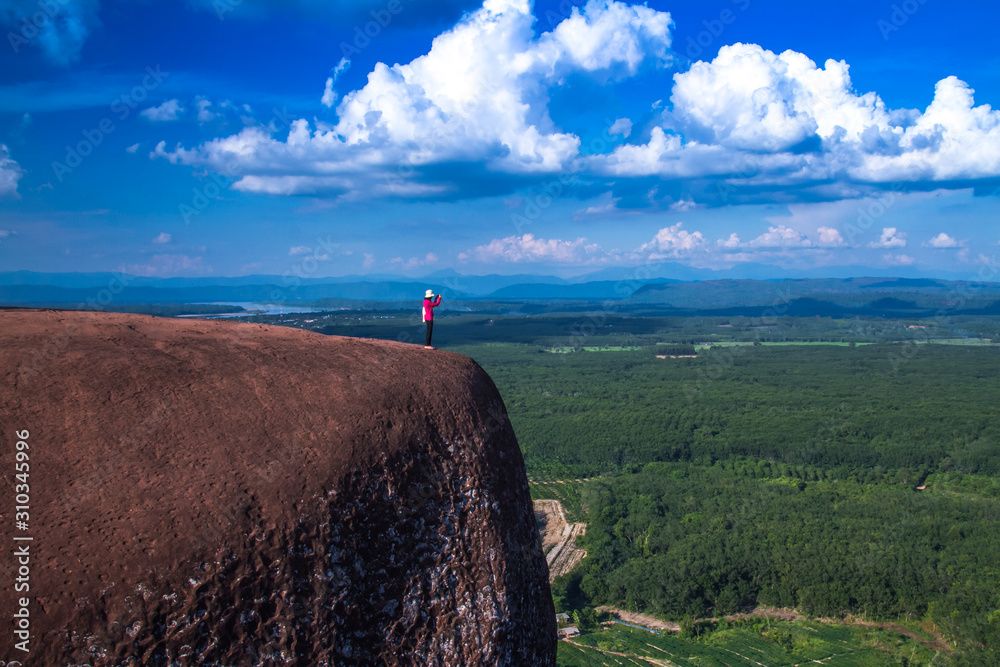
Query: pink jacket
x: 429, y: 307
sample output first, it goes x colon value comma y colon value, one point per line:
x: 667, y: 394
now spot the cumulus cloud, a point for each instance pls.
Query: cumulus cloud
x: 527, y: 248
x: 163, y: 237
x: 730, y: 243
x: 132, y: 149
x: 684, y: 205
x: 299, y: 250
x: 942, y: 240
x: 205, y: 113
x: 673, y: 241
x: 898, y: 260
x: 369, y: 260
x: 830, y: 236
x: 412, y: 262
x: 891, y: 238
x: 10, y: 173
x: 169, y: 110
x: 786, y: 121
x: 622, y: 126
x: 780, y: 237
x: 476, y: 105
x: 60, y: 31
x: 479, y: 95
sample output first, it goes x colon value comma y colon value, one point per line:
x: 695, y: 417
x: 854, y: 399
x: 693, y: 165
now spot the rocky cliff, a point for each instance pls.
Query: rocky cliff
x: 211, y: 492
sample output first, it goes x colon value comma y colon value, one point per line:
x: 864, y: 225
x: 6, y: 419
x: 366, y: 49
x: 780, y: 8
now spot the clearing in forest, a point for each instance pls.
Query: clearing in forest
x: 558, y: 537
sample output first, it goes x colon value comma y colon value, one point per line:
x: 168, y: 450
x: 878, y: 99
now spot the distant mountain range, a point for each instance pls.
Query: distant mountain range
x: 635, y: 287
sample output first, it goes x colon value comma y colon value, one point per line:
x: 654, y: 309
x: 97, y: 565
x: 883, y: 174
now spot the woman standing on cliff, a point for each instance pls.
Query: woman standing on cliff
x: 430, y: 303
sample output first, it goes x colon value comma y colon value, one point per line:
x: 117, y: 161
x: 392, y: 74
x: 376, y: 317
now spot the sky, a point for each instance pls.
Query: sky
x: 237, y: 137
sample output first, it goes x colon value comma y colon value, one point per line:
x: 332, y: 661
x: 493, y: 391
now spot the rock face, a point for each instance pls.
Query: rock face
x: 210, y: 492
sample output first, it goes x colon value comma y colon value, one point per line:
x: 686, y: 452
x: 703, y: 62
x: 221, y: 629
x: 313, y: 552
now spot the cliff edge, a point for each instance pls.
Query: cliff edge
x: 212, y: 492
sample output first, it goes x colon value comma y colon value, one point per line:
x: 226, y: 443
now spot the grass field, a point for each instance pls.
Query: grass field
x: 608, y: 348
x: 704, y: 346
x: 763, y: 644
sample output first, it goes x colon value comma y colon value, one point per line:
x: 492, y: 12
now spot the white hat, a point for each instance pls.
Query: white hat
x: 429, y: 294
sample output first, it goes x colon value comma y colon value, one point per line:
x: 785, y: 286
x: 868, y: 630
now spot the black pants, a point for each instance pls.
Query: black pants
x: 430, y: 330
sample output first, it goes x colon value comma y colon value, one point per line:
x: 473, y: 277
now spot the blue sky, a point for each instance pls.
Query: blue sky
x: 231, y: 137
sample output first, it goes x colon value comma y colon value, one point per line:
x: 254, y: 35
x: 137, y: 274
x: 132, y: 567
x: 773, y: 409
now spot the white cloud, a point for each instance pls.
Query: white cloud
x: 622, y: 126
x: 167, y: 265
x: 780, y: 237
x: 329, y: 94
x: 369, y: 260
x: 672, y: 241
x: 732, y: 242
x: 163, y: 238
x: 169, y: 110
x: 684, y: 205
x: 527, y: 248
x: 898, y: 260
x: 10, y: 173
x: 132, y: 149
x: 205, y: 113
x: 479, y: 95
x: 298, y: 250
x: 4, y: 233
x: 942, y: 240
x: 329, y: 97
x: 757, y: 109
x: 606, y: 204
x: 477, y: 102
x: 891, y: 238
x: 413, y: 262
x: 830, y: 236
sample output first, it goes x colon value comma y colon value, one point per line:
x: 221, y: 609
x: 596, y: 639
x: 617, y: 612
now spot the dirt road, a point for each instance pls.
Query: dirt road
x: 558, y: 537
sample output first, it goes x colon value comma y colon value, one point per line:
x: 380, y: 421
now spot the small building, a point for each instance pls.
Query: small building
x: 562, y: 618
x: 566, y: 633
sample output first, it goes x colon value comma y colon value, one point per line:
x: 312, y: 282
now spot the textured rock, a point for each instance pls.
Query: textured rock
x: 209, y: 492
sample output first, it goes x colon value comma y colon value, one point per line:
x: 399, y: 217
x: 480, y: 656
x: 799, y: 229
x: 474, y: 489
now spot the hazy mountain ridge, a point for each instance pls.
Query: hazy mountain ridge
x: 27, y: 288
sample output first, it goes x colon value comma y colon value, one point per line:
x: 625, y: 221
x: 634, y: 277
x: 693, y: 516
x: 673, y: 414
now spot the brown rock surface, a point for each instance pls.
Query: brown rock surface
x: 211, y: 492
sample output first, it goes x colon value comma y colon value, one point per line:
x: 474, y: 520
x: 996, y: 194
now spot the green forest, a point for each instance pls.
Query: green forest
x: 835, y: 412
x: 833, y: 480
x: 845, y: 468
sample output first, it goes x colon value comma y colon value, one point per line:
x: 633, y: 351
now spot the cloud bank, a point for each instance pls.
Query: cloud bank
x: 476, y: 106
